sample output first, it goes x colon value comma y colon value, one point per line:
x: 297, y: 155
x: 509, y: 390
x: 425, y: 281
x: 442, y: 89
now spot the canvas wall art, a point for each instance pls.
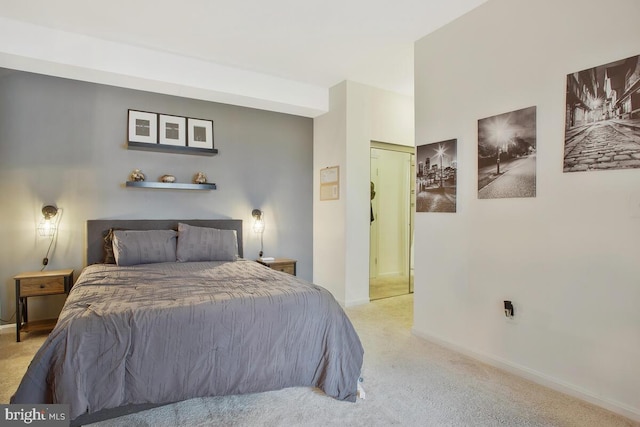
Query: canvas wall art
x: 602, y: 123
x: 436, y: 176
x: 507, y: 155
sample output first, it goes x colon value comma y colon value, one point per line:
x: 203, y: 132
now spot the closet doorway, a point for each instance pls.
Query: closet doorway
x: 391, y: 222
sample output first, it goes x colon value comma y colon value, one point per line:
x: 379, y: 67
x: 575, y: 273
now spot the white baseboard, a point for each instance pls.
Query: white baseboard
x: 8, y: 326
x: 353, y: 303
x: 537, y: 377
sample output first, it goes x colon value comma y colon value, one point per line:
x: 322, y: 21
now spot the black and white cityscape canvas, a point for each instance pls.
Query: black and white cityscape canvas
x: 507, y: 155
x: 602, y: 123
x: 436, y: 176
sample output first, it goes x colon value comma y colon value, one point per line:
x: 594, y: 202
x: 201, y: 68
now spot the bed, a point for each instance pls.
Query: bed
x: 135, y: 335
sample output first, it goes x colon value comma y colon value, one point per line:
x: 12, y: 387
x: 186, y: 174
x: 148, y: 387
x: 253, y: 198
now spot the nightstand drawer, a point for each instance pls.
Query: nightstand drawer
x: 286, y: 268
x: 31, y: 287
x: 286, y: 265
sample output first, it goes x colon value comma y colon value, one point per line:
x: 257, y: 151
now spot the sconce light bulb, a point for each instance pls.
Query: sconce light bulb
x: 258, y: 224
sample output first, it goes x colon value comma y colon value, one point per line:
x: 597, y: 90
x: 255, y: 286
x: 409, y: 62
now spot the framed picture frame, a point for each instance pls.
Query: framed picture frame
x: 143, y: 127
x: 330, y: 183
x: 200, y: 133
x: 172, y: 130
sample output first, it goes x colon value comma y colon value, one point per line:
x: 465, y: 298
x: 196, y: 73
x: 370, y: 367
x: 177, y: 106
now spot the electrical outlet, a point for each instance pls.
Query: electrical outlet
x: 508, y: 309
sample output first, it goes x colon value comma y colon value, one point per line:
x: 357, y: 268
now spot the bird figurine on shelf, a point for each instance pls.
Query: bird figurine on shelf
x: 136, y: 175
x: 200, y: 178
x: 168, y: 178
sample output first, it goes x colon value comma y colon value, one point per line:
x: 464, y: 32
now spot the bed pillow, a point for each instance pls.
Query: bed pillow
x: 206, y: 244
x: 132, y: 247
x: 109, y: 257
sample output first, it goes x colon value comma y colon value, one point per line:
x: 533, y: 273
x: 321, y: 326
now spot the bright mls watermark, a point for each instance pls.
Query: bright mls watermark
x: 34, y: 415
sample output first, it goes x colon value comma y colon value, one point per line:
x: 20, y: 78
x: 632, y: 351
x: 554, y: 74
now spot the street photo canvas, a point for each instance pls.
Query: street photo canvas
x: 602, y: 123
x: 436, y: 176
x: 507, y: 155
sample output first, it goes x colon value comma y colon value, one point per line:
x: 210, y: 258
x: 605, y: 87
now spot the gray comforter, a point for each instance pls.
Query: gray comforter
x: 161, y: 333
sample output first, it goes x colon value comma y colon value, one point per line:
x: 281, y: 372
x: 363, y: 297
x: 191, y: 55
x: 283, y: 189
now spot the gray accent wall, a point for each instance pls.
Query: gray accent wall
x: 63, y: 142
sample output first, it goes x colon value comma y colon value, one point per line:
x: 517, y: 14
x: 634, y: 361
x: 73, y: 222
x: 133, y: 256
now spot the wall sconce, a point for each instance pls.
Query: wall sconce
x: 48, y: 227
x: 258, y: 226
x: 48, y: 224
x: 258, y: 223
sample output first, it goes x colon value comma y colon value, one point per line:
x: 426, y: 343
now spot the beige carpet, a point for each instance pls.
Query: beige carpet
x: 408, y: 381
x: 15, y: 357
x: 388, y: 286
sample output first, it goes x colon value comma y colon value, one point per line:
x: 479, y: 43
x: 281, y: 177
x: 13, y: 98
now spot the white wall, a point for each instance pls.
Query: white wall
x: 329, y: 149
x: 358, y: 114
x: 569, y: 257
x: 50, y: 51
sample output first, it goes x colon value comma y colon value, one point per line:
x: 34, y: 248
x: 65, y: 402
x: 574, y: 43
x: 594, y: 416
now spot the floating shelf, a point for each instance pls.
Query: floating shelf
x: 171, y: 185
x: 164, y: 148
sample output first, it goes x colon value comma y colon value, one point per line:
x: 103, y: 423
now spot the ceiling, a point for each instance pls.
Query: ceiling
x: 314, y: 42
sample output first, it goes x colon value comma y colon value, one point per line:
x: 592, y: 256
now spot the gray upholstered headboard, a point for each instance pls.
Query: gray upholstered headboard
x: 97, y: 229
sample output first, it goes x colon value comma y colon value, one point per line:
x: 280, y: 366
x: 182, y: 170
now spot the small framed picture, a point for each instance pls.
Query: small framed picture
x: 173, y: 130
x: 330, y: 183
x: 200, y: 133
x: 143, y: 127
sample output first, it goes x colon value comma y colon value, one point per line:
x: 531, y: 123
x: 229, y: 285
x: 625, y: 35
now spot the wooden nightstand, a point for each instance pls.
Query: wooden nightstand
x: 281, y: 264
x: 35, y: 284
